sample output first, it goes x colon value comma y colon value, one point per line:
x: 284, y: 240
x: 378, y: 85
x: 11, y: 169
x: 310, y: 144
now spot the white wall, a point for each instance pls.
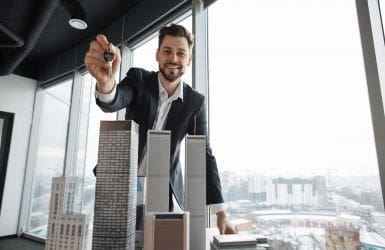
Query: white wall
x: 16, y: 96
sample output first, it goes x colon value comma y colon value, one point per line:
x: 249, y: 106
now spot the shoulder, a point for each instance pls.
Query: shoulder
x: 190, y: 92
x: 141, y: 74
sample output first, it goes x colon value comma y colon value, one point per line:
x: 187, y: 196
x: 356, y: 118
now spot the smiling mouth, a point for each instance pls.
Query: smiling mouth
x: 171, y: 66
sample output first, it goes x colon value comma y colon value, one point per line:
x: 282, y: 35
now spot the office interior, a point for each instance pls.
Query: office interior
x: 263, y: 77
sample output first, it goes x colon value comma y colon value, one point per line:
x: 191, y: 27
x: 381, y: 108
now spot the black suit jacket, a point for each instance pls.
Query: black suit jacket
x: 138, y: 92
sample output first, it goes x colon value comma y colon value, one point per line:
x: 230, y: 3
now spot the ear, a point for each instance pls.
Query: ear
x: 157, y: 55
x: 189, y: 60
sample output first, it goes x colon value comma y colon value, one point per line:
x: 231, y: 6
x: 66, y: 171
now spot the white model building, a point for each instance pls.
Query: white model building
x: 66, y: 229
x: 166, y: 231
x: 196, y: 189
x: 158, y: 171
x: 116, y: 184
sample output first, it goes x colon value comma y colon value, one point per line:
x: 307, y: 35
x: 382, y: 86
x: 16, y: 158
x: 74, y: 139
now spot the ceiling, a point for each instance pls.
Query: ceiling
x: 32, y: 30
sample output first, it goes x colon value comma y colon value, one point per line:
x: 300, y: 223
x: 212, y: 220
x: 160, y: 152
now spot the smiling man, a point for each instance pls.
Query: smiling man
x: 160, y: 100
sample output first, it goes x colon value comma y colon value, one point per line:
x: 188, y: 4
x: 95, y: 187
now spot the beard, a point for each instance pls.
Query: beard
x: 173, y: 75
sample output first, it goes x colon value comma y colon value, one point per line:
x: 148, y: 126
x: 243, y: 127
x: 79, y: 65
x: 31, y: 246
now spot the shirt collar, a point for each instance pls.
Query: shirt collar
x: 163, y: 96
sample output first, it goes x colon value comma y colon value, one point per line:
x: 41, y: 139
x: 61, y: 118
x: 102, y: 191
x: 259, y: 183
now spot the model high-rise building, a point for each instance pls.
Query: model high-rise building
x: 66, y: 229
x: 196, y: 189
x: 158, y: 171
x: 115, y: 193
x: 166, y: 231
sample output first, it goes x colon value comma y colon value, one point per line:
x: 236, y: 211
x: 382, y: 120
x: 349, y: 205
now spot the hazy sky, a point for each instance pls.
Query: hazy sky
x: 288, y: 90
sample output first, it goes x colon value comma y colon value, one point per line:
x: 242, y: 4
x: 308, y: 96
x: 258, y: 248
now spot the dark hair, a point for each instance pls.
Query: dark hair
x: 176, y: 31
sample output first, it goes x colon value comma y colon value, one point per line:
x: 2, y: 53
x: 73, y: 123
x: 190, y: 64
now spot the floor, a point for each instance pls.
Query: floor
x: 20, y: 244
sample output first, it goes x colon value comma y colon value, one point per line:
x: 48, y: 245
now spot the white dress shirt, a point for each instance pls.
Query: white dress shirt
x: 164, y: 106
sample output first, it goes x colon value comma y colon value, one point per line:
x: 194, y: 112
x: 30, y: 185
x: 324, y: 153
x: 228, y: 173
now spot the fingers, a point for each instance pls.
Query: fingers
x: 103, y: 42
x: 230, y: 230
x: 94, y: 58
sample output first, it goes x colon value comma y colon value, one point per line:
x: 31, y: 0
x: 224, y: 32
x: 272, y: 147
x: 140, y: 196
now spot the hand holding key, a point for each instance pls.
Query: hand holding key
x: 102, y: 61
x: 109, y: 57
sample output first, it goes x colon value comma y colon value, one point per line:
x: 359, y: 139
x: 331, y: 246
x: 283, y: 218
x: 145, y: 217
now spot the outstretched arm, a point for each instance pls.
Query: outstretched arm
x: 98, y: 66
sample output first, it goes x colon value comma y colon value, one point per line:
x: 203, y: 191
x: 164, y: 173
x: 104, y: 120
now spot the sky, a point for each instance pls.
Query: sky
x: 288, y: 91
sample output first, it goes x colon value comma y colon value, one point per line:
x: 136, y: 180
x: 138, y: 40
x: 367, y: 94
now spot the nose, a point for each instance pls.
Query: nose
x: 173, y: 57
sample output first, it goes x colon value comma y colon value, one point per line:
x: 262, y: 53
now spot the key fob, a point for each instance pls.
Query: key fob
x: 108, y: 56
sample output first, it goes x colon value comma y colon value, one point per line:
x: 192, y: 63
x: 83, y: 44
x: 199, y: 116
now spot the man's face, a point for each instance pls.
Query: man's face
x: 173, y: 57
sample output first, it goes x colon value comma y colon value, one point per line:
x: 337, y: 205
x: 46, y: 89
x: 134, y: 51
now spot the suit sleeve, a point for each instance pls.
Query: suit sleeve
x: 213, y: 183
x: 125, y: 93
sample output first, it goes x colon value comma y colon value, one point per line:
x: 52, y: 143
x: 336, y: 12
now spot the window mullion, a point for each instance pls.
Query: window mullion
x: 74, y: 126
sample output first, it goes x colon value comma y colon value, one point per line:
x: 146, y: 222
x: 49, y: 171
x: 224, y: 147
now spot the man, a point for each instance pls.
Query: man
x: 160, y: 100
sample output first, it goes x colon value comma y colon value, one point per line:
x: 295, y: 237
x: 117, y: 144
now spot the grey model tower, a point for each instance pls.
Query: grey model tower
x: 158, y: 170
x: 115, y: 194
x: 196, y: 189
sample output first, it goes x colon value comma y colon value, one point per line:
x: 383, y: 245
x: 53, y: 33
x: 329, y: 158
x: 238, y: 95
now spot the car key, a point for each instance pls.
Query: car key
x: 109, y: 57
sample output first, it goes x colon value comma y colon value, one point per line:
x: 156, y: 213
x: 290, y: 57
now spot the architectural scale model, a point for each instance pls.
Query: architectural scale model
x: 158, y: 171
x: 166, y: 231
x: 115, y: 193
x: 66, y: 229
x: 196, y: 189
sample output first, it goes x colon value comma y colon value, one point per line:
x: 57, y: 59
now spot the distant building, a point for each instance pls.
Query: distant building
x: 342, y: 238
x: 315, y: 220
x: 256, y: 187
x: 297, y: 191
x: 66, y: 229
x: 166, y: 231
x: 228, y: 179
x: 116, y: 186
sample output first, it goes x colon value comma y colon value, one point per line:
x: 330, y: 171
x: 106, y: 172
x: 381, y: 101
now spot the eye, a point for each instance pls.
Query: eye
x: 181, y: 54
x: 166, y: 52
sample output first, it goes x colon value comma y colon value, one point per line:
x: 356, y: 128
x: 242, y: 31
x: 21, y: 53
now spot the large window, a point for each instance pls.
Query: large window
x: 290, y: 123
x: 50, y: 151
x: 54, y: 147
x: 89, y: 144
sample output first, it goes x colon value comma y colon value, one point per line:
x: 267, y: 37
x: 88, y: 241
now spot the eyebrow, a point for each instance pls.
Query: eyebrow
x: 179, y: 49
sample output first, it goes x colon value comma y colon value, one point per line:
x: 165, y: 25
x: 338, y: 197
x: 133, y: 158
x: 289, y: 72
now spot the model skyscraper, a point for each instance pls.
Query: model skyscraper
x: 196, y: 189
x: 115, y: 193
x: 158, y: 171
x: 66, y: 229
x: 166, y: 231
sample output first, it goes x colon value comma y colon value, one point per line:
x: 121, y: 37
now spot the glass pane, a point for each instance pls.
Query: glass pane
x: 50, y: 153
x: 288, y: 80
x: 62, y: 91
x: 88, y: 146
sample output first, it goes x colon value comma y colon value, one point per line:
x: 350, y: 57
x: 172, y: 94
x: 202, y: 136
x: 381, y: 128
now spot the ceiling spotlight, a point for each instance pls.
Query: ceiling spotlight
x: 78, y: 18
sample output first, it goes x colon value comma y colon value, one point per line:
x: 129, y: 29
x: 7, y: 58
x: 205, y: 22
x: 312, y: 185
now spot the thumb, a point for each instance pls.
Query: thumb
x: 221, y: 226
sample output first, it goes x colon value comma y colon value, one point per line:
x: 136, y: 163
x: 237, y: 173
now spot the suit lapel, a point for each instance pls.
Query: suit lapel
x: 173, y: 114
x: 176, y: 110
x: 154, y: 98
